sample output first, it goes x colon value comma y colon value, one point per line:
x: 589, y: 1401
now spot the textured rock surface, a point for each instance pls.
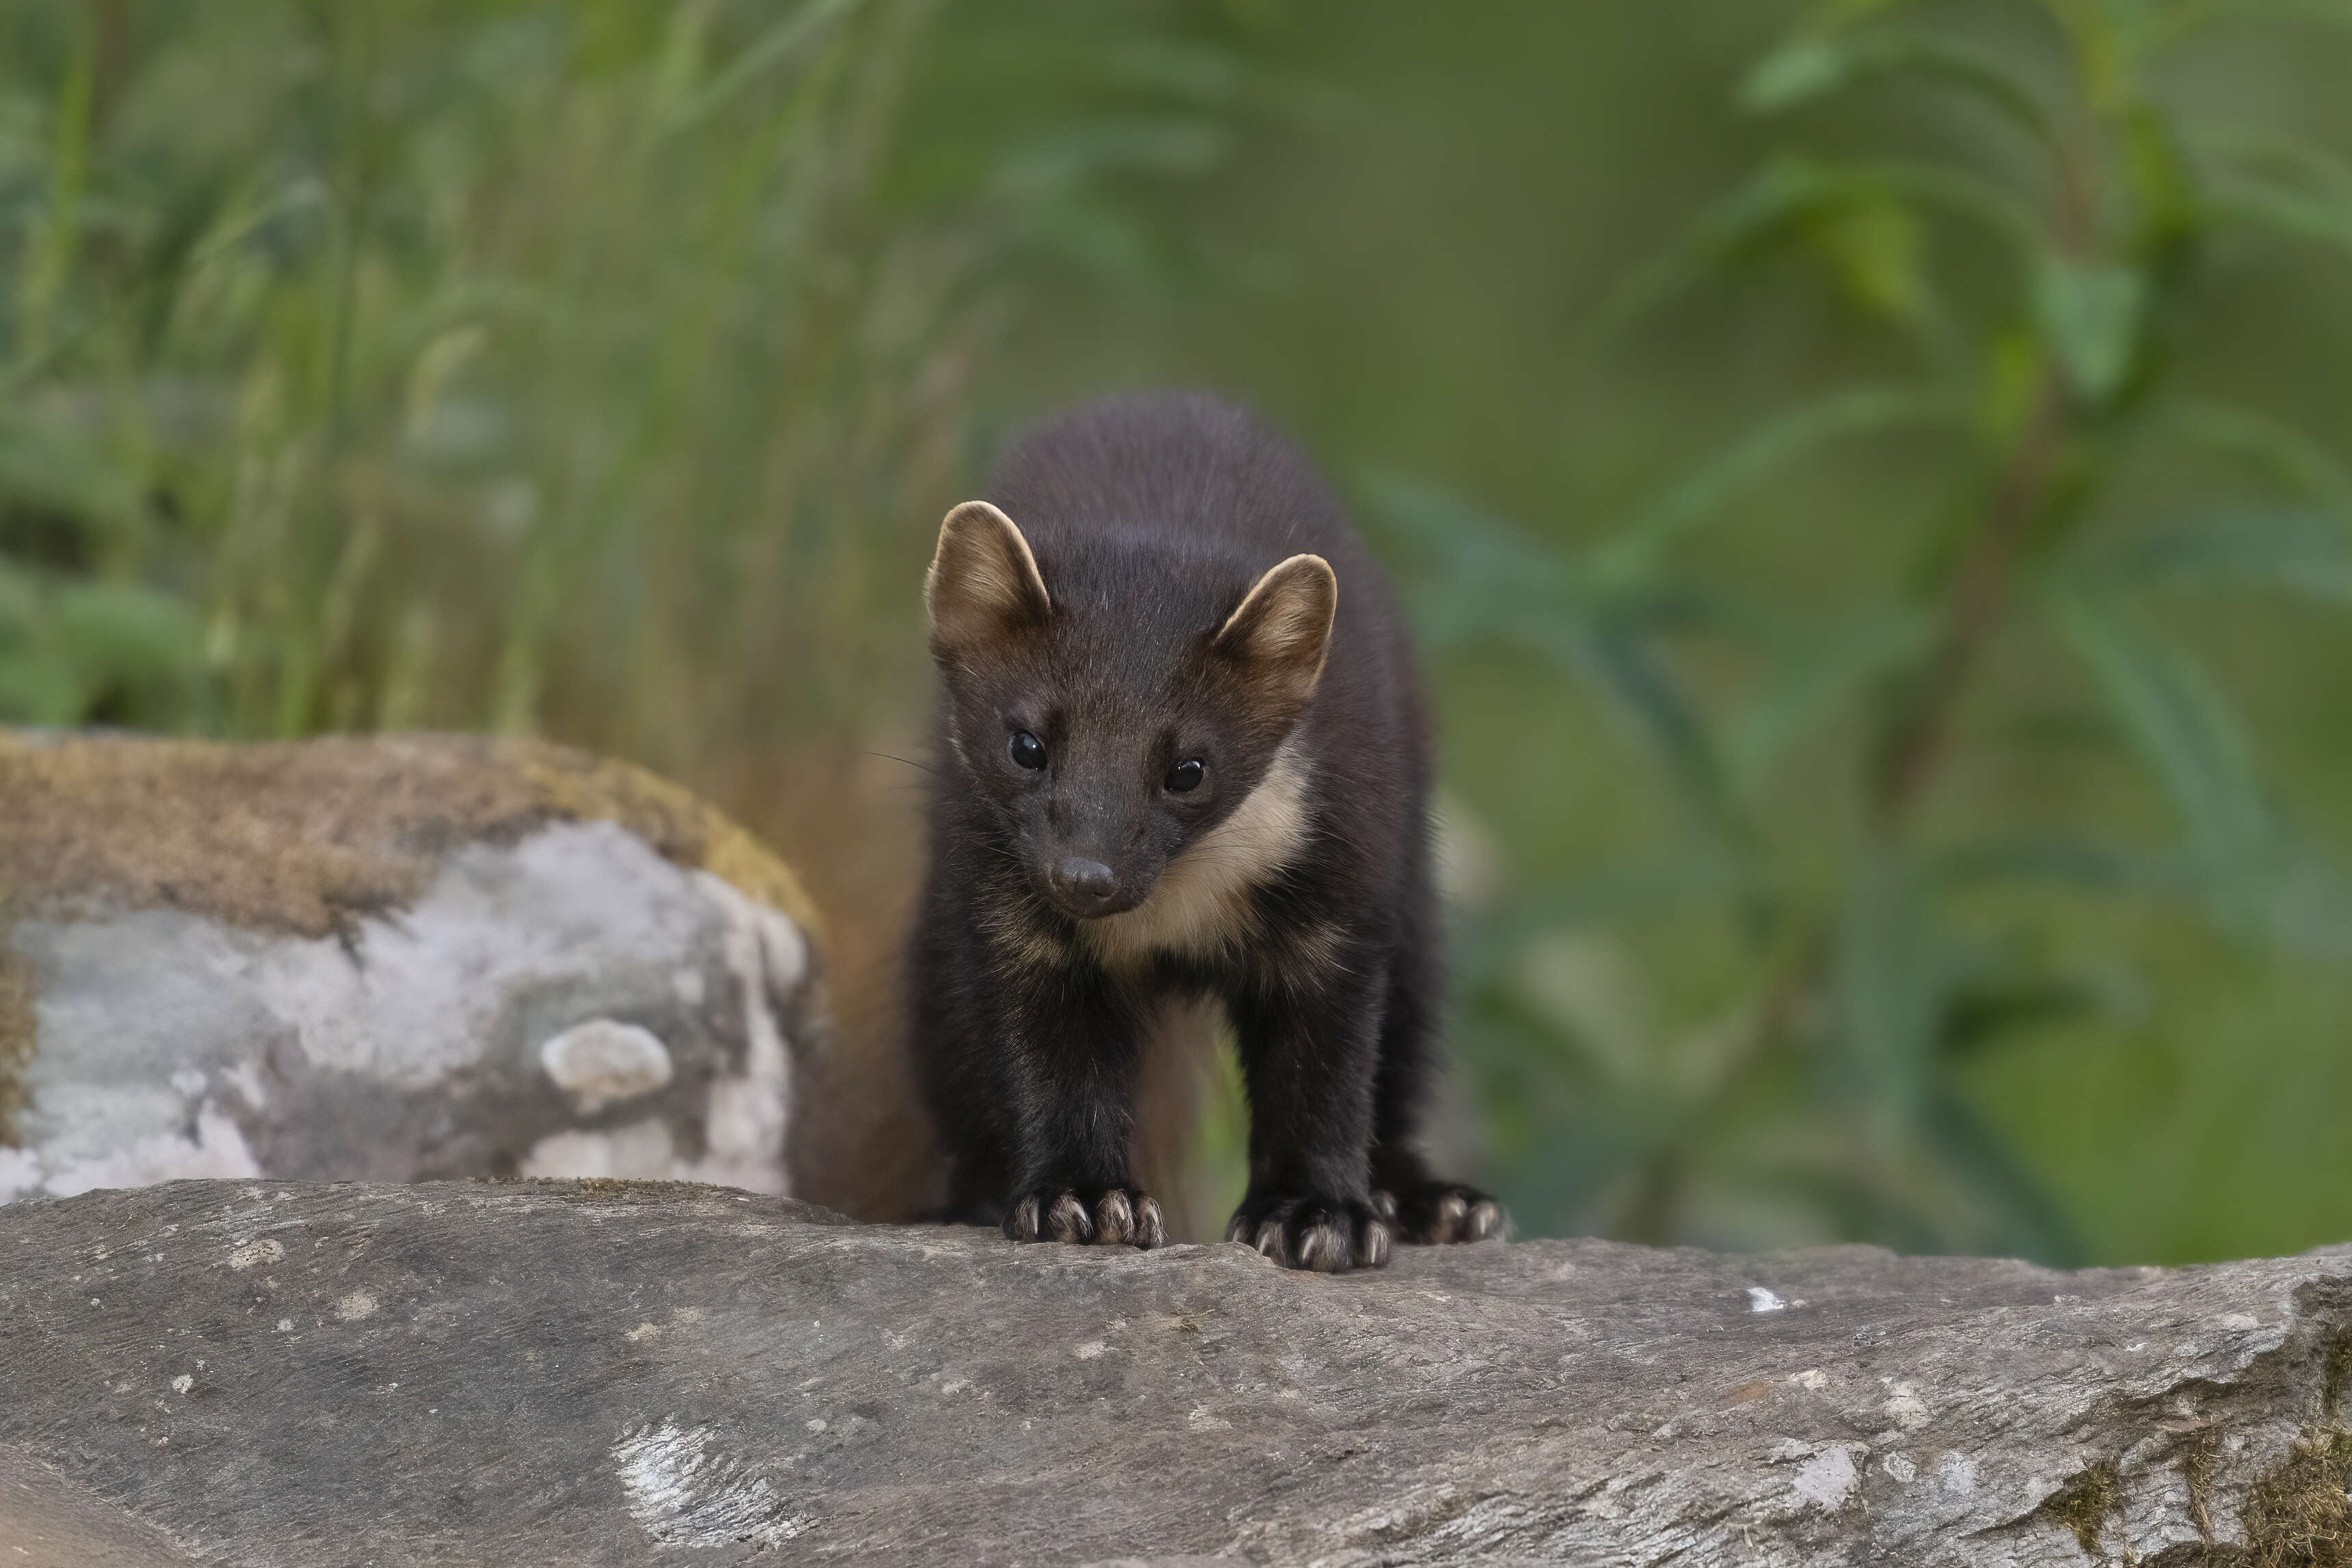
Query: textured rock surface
x: 391, y: 960
x: 279, y: 1374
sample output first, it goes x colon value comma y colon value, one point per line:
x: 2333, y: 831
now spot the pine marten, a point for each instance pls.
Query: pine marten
x: 1180, y: 749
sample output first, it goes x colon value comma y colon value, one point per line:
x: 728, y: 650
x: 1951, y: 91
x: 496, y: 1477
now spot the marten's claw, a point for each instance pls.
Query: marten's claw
x: 1327, y: 1237
x: 1106, y: 1216
x: 1440, y: 1212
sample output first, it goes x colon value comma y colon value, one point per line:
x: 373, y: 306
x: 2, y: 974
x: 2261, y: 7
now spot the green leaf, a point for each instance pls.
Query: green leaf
x: 2183, y: 727
x: 1642, y: 693
x: 1809, y: 681
x: 1482, y: 566
x: 1625, y: 891
x: 2285, y: 187
x: 2091, y: 315
x: 1495, y: 585
x: 1877, y: 251
x: 1072, y: 156
x: 2258, y: 875
x: 2024, y: 1216
x: 1813, y: 66
x: 1988, y: 1011
x: 1790, y: 196
x: 1635, y: 551
x: 2312, y: 911
x: 2296, y: 552
x: 2293, y: 214
x: 2052, y: 860
x: 1196, y: 73
x: 778, y: 44
x: 60, y: 473
x: 1789, y: 188
x: 1649, y: 701
x: 2265, y: 444
x: 1889, y: 976
x: 2185, y: 21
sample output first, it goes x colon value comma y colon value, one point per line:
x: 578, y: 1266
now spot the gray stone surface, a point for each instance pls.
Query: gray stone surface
x: 318, y: 1376
x: 390, y: 960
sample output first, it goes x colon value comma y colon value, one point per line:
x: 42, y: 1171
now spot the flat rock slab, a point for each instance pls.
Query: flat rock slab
x: 290, y: 1376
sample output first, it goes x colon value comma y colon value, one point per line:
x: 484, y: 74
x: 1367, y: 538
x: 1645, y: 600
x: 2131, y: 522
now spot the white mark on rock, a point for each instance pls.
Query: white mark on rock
x: 1760, y: 1299
x: 1828, y: 1479
x: 818, y: 1424
x: 1956, y: 1474
x: 1813, y: 1380
x: 2239, y: 1322
x: 1091, y: 1349
x: 357, y: 1305
x: 954, y: 1385
x: 1900, y: 1466
x: 688, y: 985
x: 1903, y: 1406
x: 683, y: 1493
x: 182, y: 1384
x: 285, y: 1325
x: 605, y: 1060
x: 267, y: 1251
x: 1201, y: 1420
x: 744, y: 1124
x: 643, y: 1333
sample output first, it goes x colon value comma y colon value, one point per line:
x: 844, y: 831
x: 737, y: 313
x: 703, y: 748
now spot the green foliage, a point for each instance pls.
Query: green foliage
x: 519, y: 365
x: 1904, y: 799
x: 1862, y: 936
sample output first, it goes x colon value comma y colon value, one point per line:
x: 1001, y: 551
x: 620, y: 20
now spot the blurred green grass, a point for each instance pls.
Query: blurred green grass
x: 601, y: 370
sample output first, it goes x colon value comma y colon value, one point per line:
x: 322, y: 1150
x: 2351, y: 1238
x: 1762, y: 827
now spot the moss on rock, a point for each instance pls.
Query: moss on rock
x: 2083, y: 1503
x: 2300, y: 1515
x: 16, y: 1038
x: 302, y: 836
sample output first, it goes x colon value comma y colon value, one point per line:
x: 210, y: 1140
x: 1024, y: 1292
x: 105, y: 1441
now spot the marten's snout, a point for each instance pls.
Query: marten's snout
x: 1084, y: 886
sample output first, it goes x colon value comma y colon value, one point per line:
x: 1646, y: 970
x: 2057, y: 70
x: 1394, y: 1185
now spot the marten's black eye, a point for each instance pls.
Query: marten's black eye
x: 1028, y: 751
x: 1185, y: 775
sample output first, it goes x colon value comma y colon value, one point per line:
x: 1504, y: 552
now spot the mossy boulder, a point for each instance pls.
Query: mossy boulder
x: 392, y: 958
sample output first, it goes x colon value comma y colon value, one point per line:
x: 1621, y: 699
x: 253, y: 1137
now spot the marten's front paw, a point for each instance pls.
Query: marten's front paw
x: 1330, y: 1237
x: 1109, y: 1217
x: 1438, y: 1212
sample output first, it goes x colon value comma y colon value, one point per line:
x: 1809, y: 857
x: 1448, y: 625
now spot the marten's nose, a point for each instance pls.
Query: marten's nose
x: 1082, y: 882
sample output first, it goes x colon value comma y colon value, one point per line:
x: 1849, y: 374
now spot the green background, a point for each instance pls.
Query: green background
x: 601, y: 370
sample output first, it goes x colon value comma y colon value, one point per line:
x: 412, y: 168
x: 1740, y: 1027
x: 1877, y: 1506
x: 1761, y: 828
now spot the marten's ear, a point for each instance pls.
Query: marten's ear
x: 1282, y: 631
x: 983, y: 583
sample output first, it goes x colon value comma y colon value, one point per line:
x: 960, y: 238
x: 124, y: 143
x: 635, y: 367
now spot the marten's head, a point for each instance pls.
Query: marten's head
x: 1122, y: 703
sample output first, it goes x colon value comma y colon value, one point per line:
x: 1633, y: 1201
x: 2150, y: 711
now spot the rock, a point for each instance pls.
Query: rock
x: 300, y: 1376
x: 390, y: 959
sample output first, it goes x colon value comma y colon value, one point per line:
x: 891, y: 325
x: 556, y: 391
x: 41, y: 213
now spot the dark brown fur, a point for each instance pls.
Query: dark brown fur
x: 1292, y: 885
